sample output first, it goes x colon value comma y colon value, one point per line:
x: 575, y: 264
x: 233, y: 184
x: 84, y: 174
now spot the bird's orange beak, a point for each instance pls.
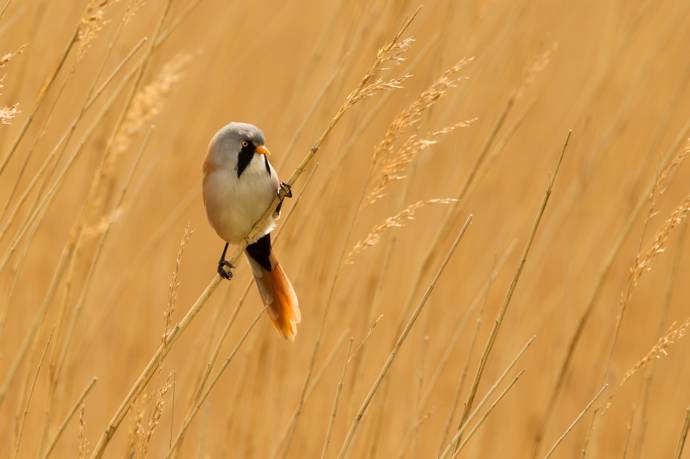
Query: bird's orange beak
x: 262, y: 150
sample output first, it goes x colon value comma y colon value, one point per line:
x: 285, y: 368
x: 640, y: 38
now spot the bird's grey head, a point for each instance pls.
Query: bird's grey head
x: 236, y: 139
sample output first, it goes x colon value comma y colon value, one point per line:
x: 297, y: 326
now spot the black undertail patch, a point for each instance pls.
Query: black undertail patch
x: 260, y: 251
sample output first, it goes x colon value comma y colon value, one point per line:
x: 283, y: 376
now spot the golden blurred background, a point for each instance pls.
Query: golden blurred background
x: 100, y: 177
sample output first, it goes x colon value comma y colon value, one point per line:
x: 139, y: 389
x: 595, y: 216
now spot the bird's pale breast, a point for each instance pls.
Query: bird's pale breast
x: 234, y: 204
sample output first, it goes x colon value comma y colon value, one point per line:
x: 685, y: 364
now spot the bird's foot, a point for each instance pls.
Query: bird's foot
x: 223, y: 272
x: 286, y: 193
x: 287, y: 189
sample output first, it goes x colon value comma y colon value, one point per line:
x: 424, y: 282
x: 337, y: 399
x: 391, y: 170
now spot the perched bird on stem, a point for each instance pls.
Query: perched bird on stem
x: 239, y: 185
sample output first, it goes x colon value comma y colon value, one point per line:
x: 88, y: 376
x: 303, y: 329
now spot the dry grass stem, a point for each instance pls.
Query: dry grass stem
x: 683, y: 435
x: 399, y: 342
x: 212, y: 383
x: 601, y: 278
x: 487, y: 413
x: 95, y: 201
x: 575, y: 421
x: 511, y: 289
x: 83, y: 441
x: 452, y: 446
x: 338, y: 393
x: 396, y: 221
x: 70, y: 414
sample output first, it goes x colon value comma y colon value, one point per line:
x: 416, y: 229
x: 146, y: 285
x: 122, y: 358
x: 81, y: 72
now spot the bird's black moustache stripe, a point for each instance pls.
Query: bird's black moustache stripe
x: 260, y: 251
x: 244, y: 157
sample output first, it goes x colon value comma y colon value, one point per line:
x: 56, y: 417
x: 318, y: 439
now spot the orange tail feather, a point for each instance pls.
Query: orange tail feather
x: 278, y: 294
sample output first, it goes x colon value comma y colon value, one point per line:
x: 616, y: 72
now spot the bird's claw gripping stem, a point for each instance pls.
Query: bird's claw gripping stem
x: 286, y: 193
x: 287, y: 189
x: 223, y: 263
x: 225, y: 273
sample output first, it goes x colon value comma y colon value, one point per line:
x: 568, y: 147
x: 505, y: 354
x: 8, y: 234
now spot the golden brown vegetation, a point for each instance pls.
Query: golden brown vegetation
x: 539, y: 311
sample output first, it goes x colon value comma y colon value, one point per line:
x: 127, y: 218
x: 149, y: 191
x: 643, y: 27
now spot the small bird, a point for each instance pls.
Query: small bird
x: 239, y: 185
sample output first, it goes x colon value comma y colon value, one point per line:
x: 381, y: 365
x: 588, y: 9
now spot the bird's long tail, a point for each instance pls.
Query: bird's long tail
x: 275, y: 288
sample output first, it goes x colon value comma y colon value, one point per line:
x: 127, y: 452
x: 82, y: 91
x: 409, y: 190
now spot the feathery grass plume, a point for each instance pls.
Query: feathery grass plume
x: 387, y: 160
x: 175, y: 279
x: 643, y: 261
x: 155, y: 418
x: 8, y: 112
x: 665, y: 177
x: 92, y: 22
x: 394, y: 168
x: 536, y: 68
x: 149, y: 102
x: 132, y: 10
x: 7, y: 57
x: 659, y: 350
x: 396, y: 221
x: 136, y: 428
x: 390, y: 55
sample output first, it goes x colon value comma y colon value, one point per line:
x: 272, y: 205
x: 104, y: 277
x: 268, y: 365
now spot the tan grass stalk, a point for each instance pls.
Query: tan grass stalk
x: 480, y: 295
x: 575, y: 421
x: 77, y: 234
x: 64, y: 140
x: 601, y: 277
x: 683, y: 435
x: 338, y: 393
x: 454, y: 442
x: 643, y: 264
x: 39, y: 100
x: 160, y: 354
x: 102, y: 230
x: 444, y: 228
x: 395, y: 221
x: 460, y: 385
x: 213, y: 355
x: 649, y: 376
x: 511, y: 290
x: 70, y: 414
x: 392, y: 52
x: 399, y: 342
x: 590, y: 433
x: 628, y: 432
x: 21, y: 417
x: 195, y: 409
x: 487, y: 413
x: 83, y: 441
x: 63, y: 261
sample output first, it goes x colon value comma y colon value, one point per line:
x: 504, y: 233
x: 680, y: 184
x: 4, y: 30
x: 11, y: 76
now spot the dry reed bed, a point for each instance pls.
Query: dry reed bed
x: 467, y: 271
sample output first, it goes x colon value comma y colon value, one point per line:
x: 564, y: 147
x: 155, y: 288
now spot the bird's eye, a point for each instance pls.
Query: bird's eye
x: 245, y: 144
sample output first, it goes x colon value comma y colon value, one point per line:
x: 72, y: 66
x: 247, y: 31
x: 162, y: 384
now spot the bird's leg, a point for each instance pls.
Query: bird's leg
x: 287, y: 193
x: 223, y: 263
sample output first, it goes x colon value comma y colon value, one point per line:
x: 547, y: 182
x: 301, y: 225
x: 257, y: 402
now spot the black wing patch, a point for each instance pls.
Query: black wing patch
x: 260, y: 251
